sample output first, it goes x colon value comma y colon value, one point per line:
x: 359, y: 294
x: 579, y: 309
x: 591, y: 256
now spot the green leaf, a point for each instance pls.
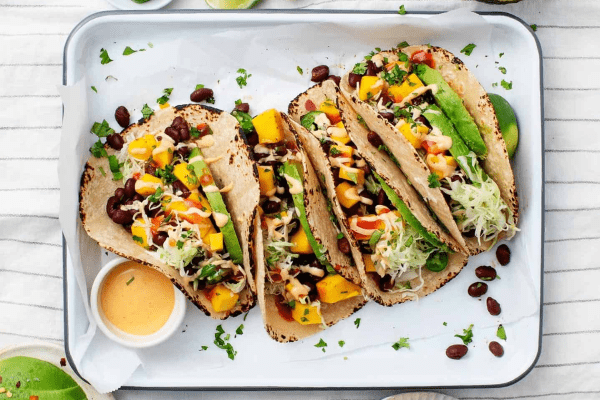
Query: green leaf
x: 468, y: 49
x: 501, y: 54
x: 204, y: 348
x: 341, y: 343
x: 375, y: 237
x: 299, y: 70
x: 155, y: 198
x: 240, y: 330
x: 340, y: 235
x: 308, y: 120
x: 395, y: 76
x: 94, y: 89
x: 402, y: 10
x: 468, y: 335
x: 403, y: 342
x: 433, y: 180
x: 147, y: 111
x: 199, y: 86
x: 445, y: 324
x: 402, y: 45
x: 98, y: 151
x: 115, y: 168
x: 506, y: 85
x: 502, y: 69
x: 101, y: 129
x: 102, y: 171
x: 165, y: 97
x: 360, y: 68
x: 138, y: 239
x: 534, y: 27
x: 501, y: 333
x: 104, y: 58
x: 245, y: 120
x: 242, y: 80
x: 321, y: 343
x: 357, y: 322
x: 437, y: 261
x: 128, y: 50
x: 222, y: 343
x: 150, y: 45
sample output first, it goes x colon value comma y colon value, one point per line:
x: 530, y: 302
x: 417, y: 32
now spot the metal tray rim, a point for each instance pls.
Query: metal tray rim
x: 311, y: 11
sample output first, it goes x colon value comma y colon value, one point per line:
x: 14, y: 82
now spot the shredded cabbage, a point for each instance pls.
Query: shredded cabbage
x: 478, y: 206
x: 236, y: 287
x: 278, y: 255
x: 177, y: 258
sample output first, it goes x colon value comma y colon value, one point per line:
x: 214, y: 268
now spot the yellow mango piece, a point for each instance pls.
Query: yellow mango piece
x: 186, y: 176
x: 342, y: 151
x: 353, y: 175
x: 346, y: 194
x: 222, y: 299
x: 301, y: 244
x: 329, y: 108
x: 206, y: 229
x: 269, y: 127
x: 216, y: 241
x: 141, y: 149
x: 147, y: 185
x: 138, y: 231
x: 369, y: 265
x: 415, y: 138
x: 368, y: 87
x: 340, y: 134
x: 410, y: 84
x: 163, y: 158
x: 198, y: 197
x: 334, y: 288
x: 306, y: 314
x: 266, y: 179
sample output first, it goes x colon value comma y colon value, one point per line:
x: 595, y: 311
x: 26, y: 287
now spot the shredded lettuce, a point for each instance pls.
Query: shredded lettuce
x: 478, y: 206
x: 177, y: 258
x: 278, y: 254
x: 236, y: 287
x: 372, y: 185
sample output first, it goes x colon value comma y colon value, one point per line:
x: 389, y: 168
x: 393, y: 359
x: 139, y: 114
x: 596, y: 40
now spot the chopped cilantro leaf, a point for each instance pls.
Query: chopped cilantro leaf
x: 102, y: 129
x: 502, y: 69
x: 433, y: 180
x: 361, y: 120
x: 245, y: 120
x: 468, y: 335
x: 501, y: 333
x: 403, y: 342
x: 360, y: 68
x: 104, y: 58
x: 402, y: 10
x: 468, y: 49
x: 340, y: 235
x: 133, y: 277
x: 292, y: 304
x: 150, y: 45
x: 495, y: 84
x: 138, y: 239
x: 204, y: 348
x: 222, y: 343
x: 165, y: 97
x: 147, y: 111
x: 115, y: 168
x: 501, y: 54
x: 534, y: 27
x: 402, y: 45
x: 246, y: 315
x: 341, y: 343
x: 155, y: 198
x: 102, y: 171
x: 299, y: 70
x: 243, y: 78
x: 179, y: 244
x: 357, y: 322
x: 506, y: 85
x: 321, y: 344
x: 94, y: 89
x: 445, y: 324
x: 98, y: 150
x: 128, y: 50
x: 240, y: 330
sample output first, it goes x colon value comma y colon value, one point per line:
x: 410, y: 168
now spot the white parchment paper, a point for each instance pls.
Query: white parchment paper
x: 196, y: 50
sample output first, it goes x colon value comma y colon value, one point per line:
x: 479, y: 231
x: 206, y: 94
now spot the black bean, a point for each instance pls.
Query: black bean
x: 372, y: 69
x: 503, y: 254
x: 353, y: 79
x: 344, y: 245
x: 112, y: 205
x: 130, y: 188
x: 320, y: 73
x: 381, y: 197
x: 493, y: 306
x: 201, y: 95
x: 115, y: 141
x: 252, y: 138
x: 184, y: 133
x: 122, y: 217
x: 150, y: 169
x: 486, y: 273
x: 374, y: 139
x: 173, y: 134
x: 270, y: 207
x: 335, y: 78
x: 122, y: 116
x: 181, y: 190
x: 387, y: 115
x: 386, y: 283
x: 160, y: 238
x: 496, y: 349
x: 243, y: 107
x: 477, y: 289
x: 456, y: 351
x: 423, y: 120
x: 120, y: 193
x: 138, y: 197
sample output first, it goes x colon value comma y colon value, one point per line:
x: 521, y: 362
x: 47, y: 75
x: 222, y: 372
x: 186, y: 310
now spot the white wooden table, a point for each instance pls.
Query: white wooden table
x: 32, y: 35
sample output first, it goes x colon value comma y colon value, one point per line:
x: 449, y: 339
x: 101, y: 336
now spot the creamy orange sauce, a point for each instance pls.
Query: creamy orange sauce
x: 137, y: 299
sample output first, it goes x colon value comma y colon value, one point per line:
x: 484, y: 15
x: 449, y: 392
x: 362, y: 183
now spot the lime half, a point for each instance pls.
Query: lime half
x: 232, y: 4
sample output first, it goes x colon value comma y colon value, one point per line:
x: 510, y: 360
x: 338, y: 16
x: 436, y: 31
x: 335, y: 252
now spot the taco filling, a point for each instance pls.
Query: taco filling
x: 297, y: 266
x: 445, y: 137
x: 392, y: 242
x: 172, y: 207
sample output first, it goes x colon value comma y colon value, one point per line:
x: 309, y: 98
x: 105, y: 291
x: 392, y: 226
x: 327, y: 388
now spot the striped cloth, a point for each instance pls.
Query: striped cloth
x: 32, y: 35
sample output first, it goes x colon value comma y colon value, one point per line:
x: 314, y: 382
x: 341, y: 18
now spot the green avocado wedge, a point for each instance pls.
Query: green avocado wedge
x: 507, y: 121
x: 454, y: 108
x: 408, y: 215
x: 215, y: 200
x: 290, y: 170
x: 459, y: 149
x: 38, y: 378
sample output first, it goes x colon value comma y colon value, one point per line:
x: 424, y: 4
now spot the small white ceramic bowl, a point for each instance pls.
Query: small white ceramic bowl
x: 127, y: 339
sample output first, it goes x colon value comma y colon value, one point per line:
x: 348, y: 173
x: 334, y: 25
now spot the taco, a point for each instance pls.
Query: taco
x: 400, y: 250
x: 432, y: 115
x: 305, y: 283
x: 181, y: 198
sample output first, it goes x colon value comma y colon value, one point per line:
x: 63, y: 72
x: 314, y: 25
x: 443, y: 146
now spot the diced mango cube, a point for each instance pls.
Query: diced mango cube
x: 410, y: 84
x: 269, y: 127
x: 266, y: 179
x: 334, y: 288
x: 147, y: 185
x: 369, y: 265
x: 414, y: 136
x: 141, y: 149
x: 206, y: 229
x: 138, y: 232
x: 163, y: 158
x: 347, y: 194
x: 216, y: 241
x: 300, y: 242
x: 306, y: 314
x: 342, y: 151
x: 329, y: 108
x: 186, y: 176
x: 353, y: 175
x: 222, y: 299
x: 339, y: 133
x: 369, y: 87
x: 197, y: 197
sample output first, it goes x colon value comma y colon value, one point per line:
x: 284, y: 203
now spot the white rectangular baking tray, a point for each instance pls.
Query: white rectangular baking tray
x: 361, y: 363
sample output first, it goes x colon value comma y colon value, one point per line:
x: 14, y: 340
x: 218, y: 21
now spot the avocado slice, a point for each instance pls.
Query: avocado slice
x: 216, y: 202
x: 38, y: 378
x: 459, y: 149
x: 291, y: 170
x: 507, y: 121
x: 453, y: 107
x: 409, y: 217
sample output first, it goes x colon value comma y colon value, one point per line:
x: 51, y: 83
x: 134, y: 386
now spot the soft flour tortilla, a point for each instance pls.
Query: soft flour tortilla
x: 497, y: 163
x: 385, y: 167
x: 242, y: 201
x: 325, y: 233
